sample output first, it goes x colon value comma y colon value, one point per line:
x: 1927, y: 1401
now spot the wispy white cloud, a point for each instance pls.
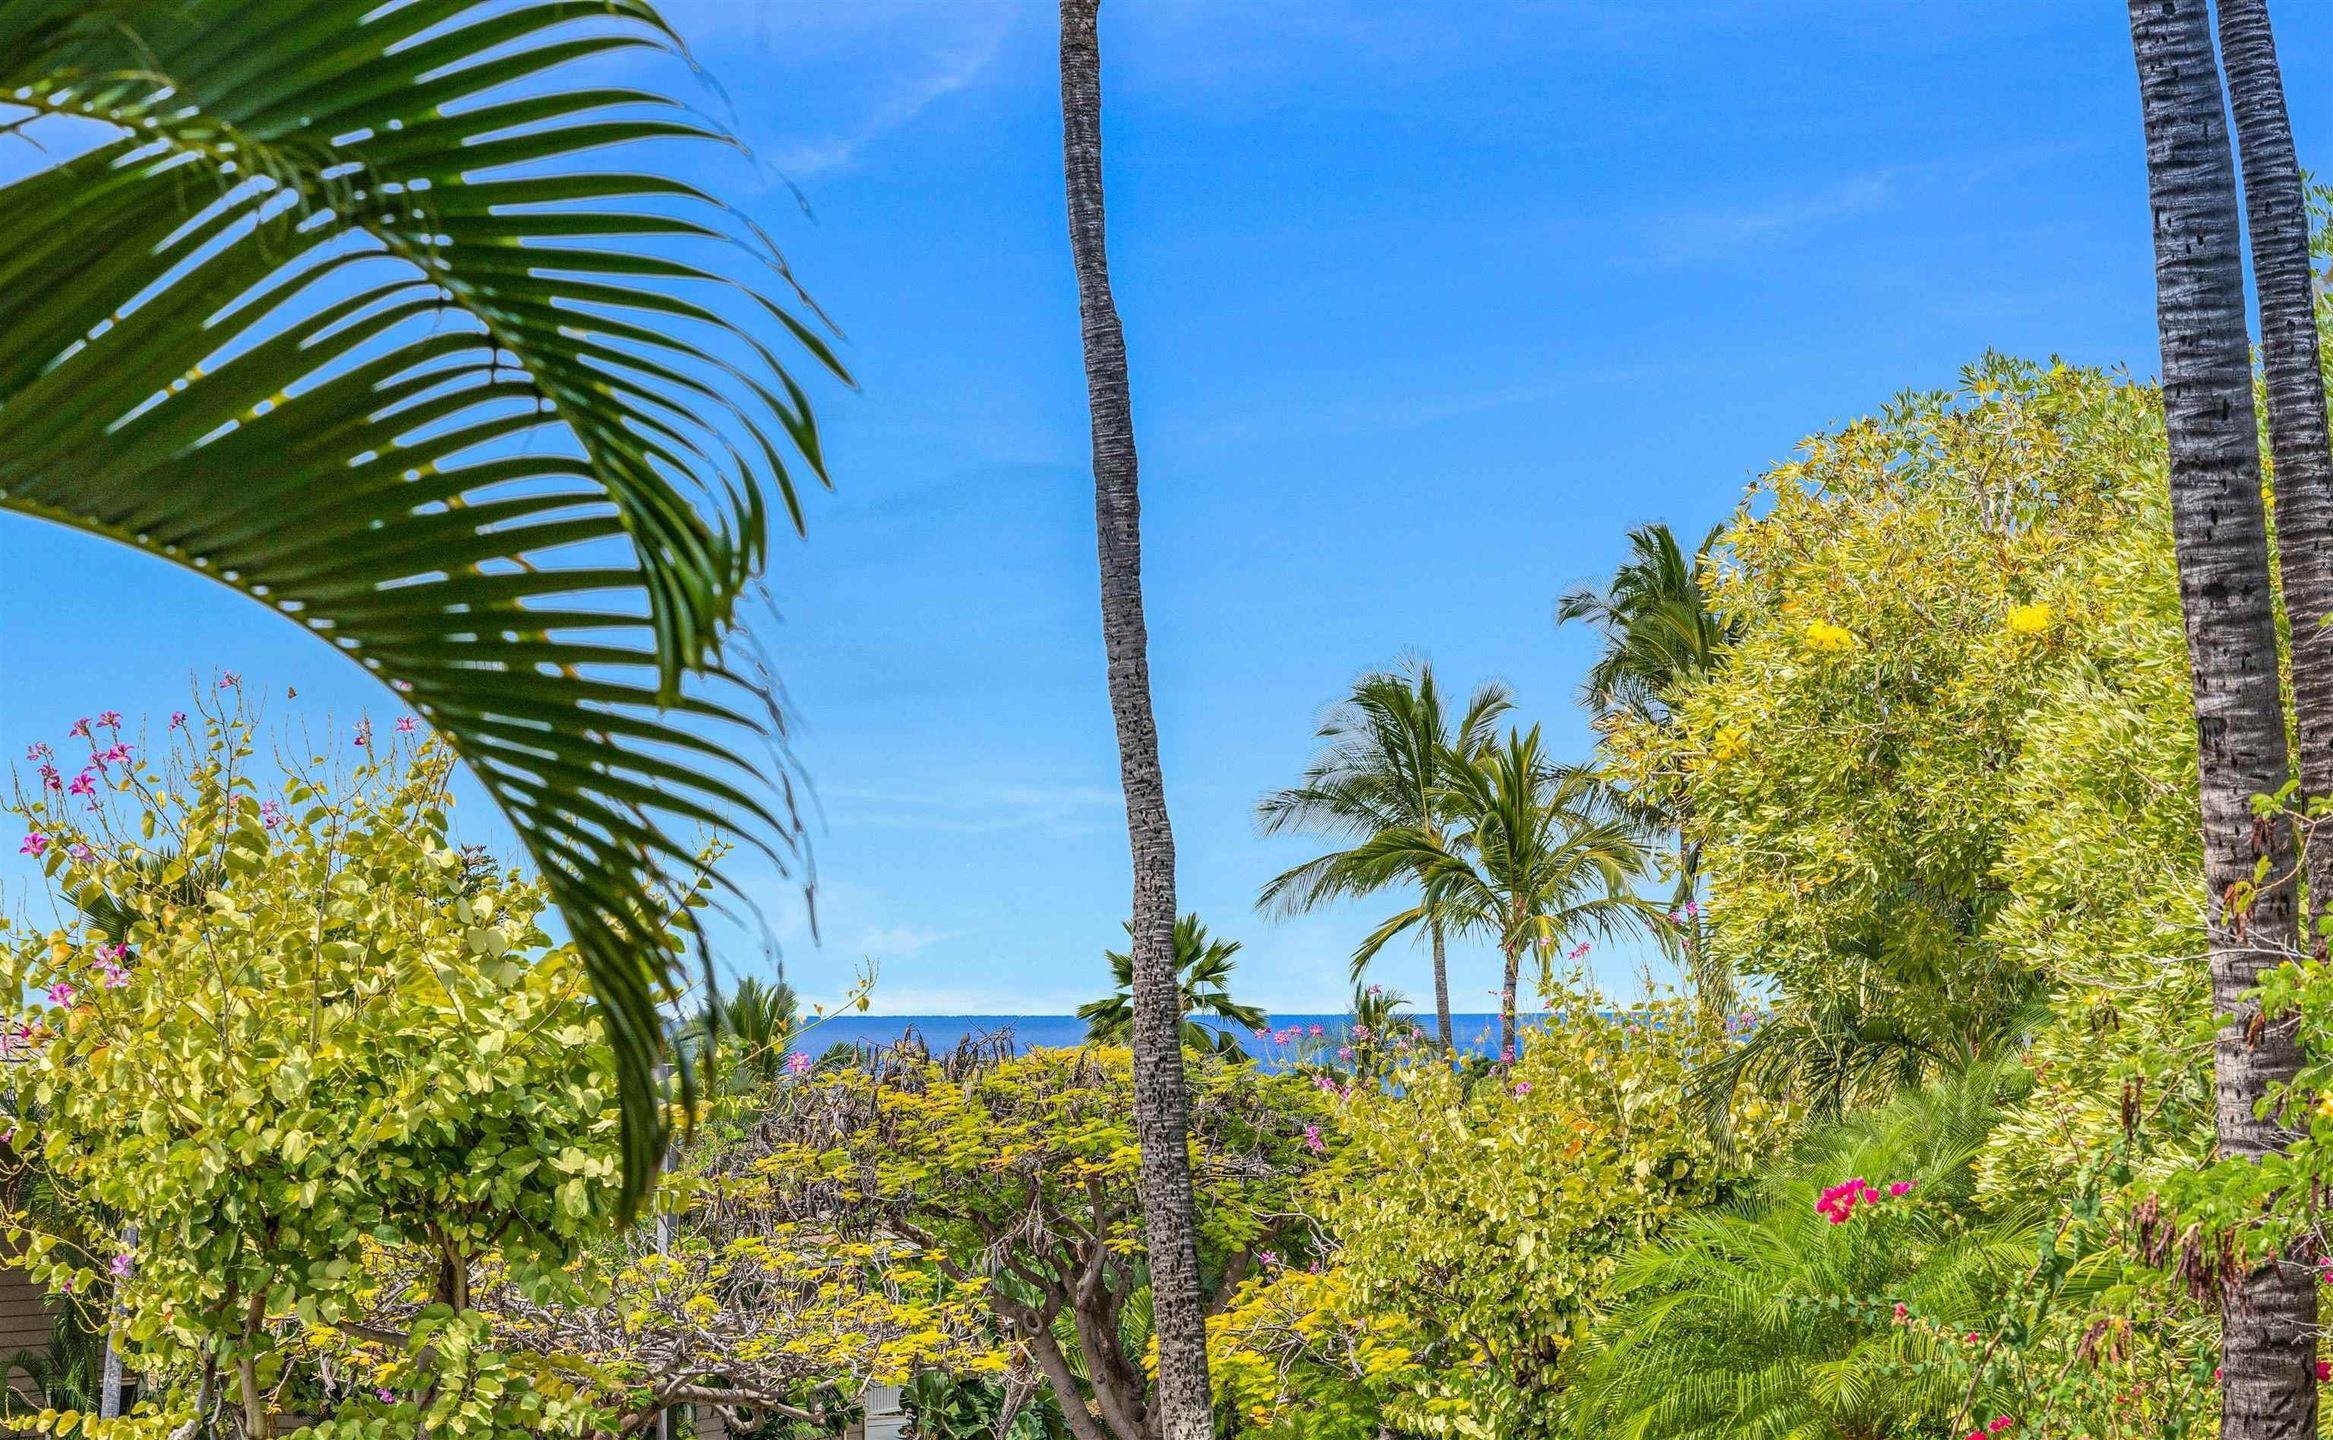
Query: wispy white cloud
x: 900, y: 103
x: 974, y: 807
x: 1723, y: 230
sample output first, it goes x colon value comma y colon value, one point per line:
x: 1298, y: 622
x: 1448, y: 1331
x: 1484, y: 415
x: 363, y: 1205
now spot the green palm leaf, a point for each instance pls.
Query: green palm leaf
x: 331, y: 302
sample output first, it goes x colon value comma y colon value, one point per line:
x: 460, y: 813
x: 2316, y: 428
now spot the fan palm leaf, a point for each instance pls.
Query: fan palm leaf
x: 335, y: 304
x: 1203, y: 967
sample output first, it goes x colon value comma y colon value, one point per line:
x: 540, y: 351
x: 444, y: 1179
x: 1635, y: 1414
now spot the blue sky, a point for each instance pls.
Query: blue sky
x: 1426, y: 305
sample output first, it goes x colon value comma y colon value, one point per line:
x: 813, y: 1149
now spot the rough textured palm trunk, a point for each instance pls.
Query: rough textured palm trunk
x: 1161, y: 1103
x: 1442, y: 992
x: 2268, y: 1389
x: 2277, y: 208
x: 1510, y: 978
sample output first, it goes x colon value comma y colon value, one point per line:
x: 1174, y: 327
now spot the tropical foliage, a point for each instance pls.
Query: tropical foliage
x: 346, y: 310
x: 1468, y: 1231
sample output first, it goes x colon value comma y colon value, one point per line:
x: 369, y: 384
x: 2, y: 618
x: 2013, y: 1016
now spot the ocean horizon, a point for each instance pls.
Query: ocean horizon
x: 1475, y: 1031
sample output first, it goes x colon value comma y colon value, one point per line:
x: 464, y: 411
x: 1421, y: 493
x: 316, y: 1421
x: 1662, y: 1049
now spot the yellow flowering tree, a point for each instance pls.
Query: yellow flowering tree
x: 1911, y: 594
x: 1015, y: 1174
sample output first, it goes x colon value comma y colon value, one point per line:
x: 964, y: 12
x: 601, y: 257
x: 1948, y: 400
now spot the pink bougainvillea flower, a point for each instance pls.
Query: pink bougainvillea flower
x: 1900, y: 1189
x: 1312, y: 1140
x: 2324, y: 1370
x: 1838, y: 1203
x: 33, y: 845
x: 80, y: 728
x: 2003, y: 1422
x: 110, y: 719
x: 121, y: 1266
x: 406, y: 725
x: 61, y: 994
x: 177, y: 719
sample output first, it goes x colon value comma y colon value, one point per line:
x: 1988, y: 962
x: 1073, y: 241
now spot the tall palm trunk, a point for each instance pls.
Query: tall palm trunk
x: 1510, y: 979
x: 1161, y: 1103
x: 2220, y: 534
x: 2277, y: 208
x: 1442, y: 990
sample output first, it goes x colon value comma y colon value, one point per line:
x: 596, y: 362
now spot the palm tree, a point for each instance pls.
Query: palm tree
x: 1659, y: 633
x: 757, y: 1022
x: 1380, y: 1028
x: 1656, y: 624
x: 339, y: 304
x: 1390, y: 752
x: 1536, y: 857
x: 1203, y: 967
x: 2277, y: 207
x: 2220, y: 534
x: 1162, y: 1102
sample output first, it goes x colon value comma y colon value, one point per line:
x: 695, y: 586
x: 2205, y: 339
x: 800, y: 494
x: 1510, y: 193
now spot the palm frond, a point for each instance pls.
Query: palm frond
x: 335, y: 304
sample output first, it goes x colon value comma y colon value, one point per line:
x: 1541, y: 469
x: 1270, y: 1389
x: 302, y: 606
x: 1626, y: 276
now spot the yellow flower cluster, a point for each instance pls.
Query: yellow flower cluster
x: 1823, y: 635
x: 2030, y: 619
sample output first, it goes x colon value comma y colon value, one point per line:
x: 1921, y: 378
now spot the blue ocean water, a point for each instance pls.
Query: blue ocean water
x: 1474, y: 1032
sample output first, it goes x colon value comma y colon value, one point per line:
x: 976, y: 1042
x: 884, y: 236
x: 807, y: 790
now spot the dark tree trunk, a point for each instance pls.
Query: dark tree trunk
x: 2268, y: 1316
x: 1442, y: 992
x: 1161, y: 1103
x: 1510, y: 977
x: 2278, y: 211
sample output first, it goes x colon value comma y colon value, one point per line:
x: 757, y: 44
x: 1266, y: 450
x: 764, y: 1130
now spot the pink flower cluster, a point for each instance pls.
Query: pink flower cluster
x: 1838, y: 1203
x: 2000, y: 1423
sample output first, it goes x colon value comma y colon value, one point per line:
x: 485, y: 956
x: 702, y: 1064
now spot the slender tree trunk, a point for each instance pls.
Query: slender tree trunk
x: 1161, y: 1102
x: 2268, y: 1316
x: 1442, y: 991
x: 1509, y: 979
x: 2278, y: 211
